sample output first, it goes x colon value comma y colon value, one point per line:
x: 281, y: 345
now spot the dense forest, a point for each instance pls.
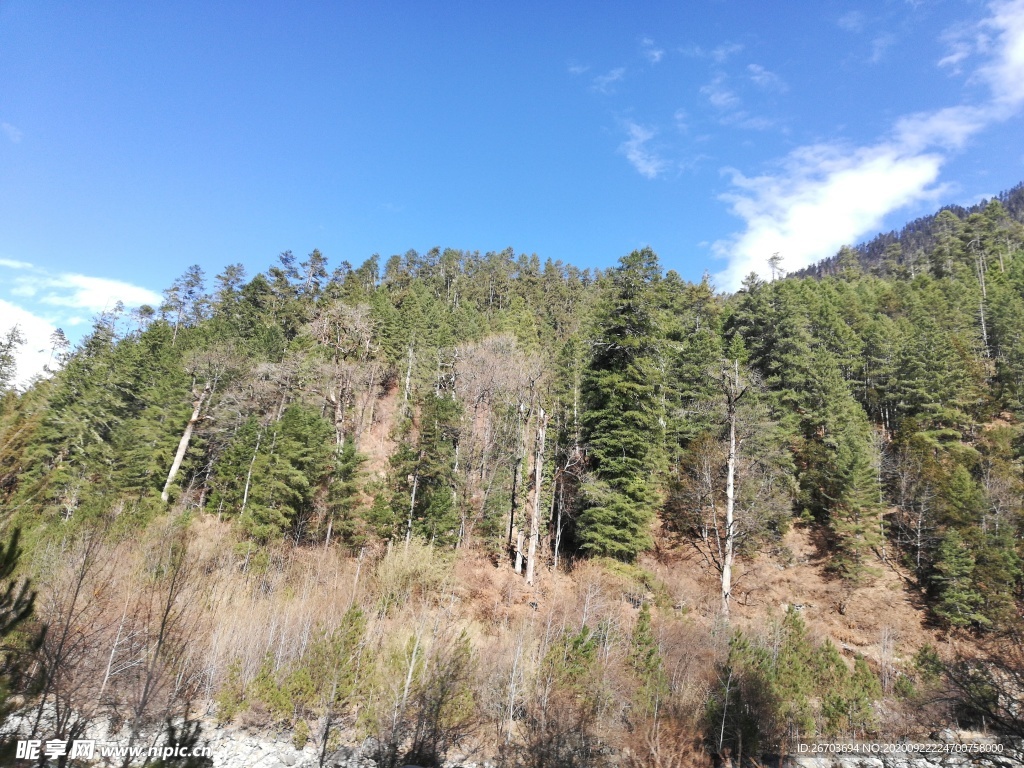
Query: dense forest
x: 437, y: 500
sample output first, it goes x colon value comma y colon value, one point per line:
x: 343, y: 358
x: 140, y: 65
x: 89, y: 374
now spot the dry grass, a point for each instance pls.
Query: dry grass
x: 247, y: 609
x: 882, y: 618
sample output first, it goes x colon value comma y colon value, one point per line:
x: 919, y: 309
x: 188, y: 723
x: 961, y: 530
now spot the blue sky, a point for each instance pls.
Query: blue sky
x: 139, y: 138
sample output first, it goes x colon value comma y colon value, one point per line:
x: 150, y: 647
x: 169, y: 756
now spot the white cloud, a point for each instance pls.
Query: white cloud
x: 958, y: 53
x: 823, y: 196
x: 879, y: 46
x: 950, y: 127
x: 578, y: 69
x: 11, y: 132
x: 745, y: 120
x: 1005, y: 72
x: 34, y: 354
x: 636, y: 149
x: 606, y: 83
x: 763, y: 78
x: 851, y: 22
x: 718, y: 93
x: 95, y: 294
x: 39, y: 301
x: 719, y: 54
x: 724, y: 52
x: 653, y: 54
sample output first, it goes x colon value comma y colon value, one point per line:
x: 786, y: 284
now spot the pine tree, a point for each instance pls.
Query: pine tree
x: 855, y: 514
x: 622, y: 422
x: 9, y: 344
x: 343, y: 496
x: 17, y: 603
x: 645, y: 659
x: 269, y: 475
x: 426, y: 494
x: 958, y: 600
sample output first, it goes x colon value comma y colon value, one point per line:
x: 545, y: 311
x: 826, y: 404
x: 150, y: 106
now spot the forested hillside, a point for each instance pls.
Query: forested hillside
x: 438, y: 499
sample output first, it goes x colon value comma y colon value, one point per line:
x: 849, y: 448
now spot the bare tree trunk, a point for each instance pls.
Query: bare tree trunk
x: 513, y: 689
x: 538, y: 467
x: 165, y: 625
x: 248, y: 477
x: 552, y: 519
x: 339, y: 420
x: 733, y: 394
x: 514, y: 540
x: 412, y: 506
x: 113, y: 648
x: 558, y: 524
x: 408, y: 376
x: 980, y: 263
x: 183, y: 443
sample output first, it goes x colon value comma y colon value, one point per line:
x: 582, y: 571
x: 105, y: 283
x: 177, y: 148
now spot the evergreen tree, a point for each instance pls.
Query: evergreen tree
x: 855, y: 514
x: 645, y: 659
x: 343, y: 495
x: 622, y: 421
x: 269, y: 475
x: 958, y: 600
x: 9, y: 344
x: 17, y: 603
x: 425, y: 500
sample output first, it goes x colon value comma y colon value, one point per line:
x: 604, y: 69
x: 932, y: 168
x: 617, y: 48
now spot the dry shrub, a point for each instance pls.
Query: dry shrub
x: 275, y: 612
x: 667, y: 743
x: 409, y: 572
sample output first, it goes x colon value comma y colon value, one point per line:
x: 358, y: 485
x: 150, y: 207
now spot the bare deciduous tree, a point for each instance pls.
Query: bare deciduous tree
x: 734, y: 485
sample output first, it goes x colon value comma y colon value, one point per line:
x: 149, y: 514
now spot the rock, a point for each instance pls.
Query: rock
x: 808, y: 762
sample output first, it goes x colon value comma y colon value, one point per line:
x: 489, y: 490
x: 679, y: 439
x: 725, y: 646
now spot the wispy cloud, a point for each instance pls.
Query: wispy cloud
x: 39, y: 301
x: 11, y: 132
x: 650, y: 51
x: 638, y: 152
x: 823, y: 196
x: 765, y: 79
x: 880, y: 46
x: 578, y: 69
x: 1005, y: 71
x: 959, y: 51
x: 719, y: 54
x: 851, y: 22
x: 73, y: 290
x: 32, y: 357
x: 724, y: 52
x: 94, y: 294
x: 606, y: 83
x: 719, y: 94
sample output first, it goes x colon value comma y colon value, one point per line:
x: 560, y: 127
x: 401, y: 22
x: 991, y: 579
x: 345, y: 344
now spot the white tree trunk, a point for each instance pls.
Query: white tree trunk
x: 538, y: 467
x: 730, y: 495
x: 183, y: 443
x: 519, y: 552
x: 412, y: 506
x: 248, y: 476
